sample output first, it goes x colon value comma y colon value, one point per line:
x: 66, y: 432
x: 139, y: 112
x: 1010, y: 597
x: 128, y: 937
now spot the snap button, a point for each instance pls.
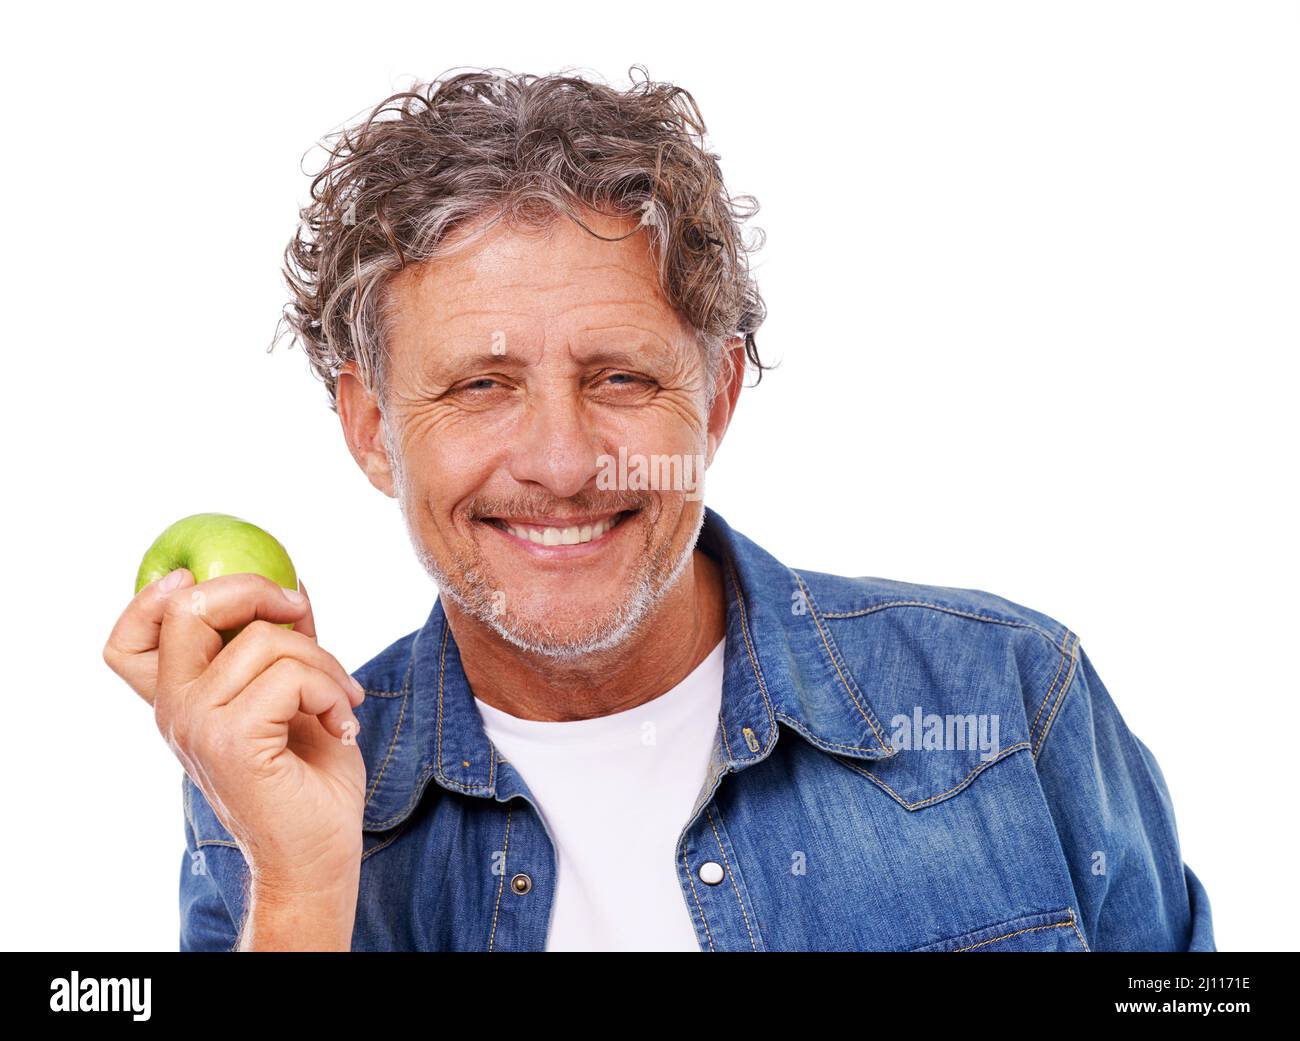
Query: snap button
x: 521, y: 884
x: 711, y: 873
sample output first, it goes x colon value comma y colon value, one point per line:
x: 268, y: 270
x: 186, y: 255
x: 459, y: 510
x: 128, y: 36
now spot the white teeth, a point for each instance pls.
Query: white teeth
x: 570, y: 536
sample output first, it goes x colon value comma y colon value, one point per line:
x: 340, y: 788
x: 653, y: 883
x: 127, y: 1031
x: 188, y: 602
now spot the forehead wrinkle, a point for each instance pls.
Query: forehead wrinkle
x: 488, y: 312
x: 486, y: 272
x: 597, y: 338
x: 564, y: 280
x: 439, y: 289
x: 635, y: 311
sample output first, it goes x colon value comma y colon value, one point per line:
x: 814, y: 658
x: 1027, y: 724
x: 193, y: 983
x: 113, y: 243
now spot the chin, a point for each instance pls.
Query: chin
x: 582, y: 626
x: 568, y: 642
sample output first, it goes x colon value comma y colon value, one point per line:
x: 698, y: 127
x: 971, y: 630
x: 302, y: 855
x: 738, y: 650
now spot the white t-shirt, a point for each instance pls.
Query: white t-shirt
x: 615, y: 793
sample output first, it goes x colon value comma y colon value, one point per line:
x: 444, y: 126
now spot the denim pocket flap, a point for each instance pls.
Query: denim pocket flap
x: 1055, y: 931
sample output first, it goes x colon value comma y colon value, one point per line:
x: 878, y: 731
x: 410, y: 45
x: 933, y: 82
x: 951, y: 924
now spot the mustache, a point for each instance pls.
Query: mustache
x: 584, y: 502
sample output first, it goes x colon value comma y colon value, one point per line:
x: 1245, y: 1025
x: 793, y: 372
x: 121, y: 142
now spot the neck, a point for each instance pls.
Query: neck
x: 678, y: 635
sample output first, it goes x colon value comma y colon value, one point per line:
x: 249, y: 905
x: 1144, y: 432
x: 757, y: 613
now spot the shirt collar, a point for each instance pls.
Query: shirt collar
x: 780, y: 667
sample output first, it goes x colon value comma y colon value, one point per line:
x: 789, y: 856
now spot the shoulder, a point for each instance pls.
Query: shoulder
x: 975, y: 613
x: 947, y: 647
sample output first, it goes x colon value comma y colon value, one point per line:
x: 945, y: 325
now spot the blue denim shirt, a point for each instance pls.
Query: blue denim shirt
x: 896, y: 767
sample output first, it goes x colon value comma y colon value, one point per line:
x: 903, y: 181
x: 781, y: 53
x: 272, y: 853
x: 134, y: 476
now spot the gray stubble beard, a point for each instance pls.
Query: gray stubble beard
x: 478, y: 597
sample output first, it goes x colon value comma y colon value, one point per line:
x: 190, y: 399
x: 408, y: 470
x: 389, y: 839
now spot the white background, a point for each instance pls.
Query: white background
x: 1032, y: 273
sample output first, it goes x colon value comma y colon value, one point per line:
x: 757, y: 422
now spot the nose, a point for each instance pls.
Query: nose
x: 555, y: 447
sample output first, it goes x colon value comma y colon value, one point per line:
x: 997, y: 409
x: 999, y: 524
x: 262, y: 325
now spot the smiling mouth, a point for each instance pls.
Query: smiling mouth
x: 550, y: 533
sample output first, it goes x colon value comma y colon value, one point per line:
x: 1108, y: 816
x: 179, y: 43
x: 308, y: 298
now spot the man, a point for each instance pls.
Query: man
x: 624, y: 725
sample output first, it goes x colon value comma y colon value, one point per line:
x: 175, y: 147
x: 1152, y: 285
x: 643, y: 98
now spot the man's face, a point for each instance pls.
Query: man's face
x: 520, y: 371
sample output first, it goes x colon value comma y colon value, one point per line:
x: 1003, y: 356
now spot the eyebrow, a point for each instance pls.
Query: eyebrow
x: 619, y: 356
x: 450, y: 370
x: 594, y: 345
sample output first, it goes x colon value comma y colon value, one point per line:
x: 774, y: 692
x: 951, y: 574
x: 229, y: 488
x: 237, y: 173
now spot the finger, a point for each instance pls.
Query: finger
x: 194, y: 619
x: 258, y: 647
x: 307, y: 623
x: 131, y: 645
x: 288, y: 687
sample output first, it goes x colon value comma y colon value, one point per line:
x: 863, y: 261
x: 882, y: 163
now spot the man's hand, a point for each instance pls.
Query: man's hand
x: 264, y: 727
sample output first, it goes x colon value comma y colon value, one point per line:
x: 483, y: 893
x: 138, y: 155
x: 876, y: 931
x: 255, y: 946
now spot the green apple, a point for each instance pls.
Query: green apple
x: 213, y: 544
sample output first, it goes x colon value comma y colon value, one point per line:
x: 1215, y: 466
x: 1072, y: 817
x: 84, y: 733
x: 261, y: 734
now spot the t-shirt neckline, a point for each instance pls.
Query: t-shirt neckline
x: 551, y: 731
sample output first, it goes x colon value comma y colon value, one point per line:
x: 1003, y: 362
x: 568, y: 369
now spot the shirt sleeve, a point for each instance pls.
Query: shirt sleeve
x: 1115, y: 820
x: 206, y: 922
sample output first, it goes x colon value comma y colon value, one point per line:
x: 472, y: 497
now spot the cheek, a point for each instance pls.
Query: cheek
x: 671, y: 425
x: 446, y: 463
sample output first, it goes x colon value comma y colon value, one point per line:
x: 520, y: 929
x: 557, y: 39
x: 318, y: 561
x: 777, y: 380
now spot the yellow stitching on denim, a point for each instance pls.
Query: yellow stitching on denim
x: 950, y: 610
x: 1060, y: 698
x: 401, y: 715
x: 722, y: 722
x: 216, y: 842
x: 812, y: 610
x: 734, y: 888
x: 1053, y: 695
x: 492, y: 765
x: 749, y: 649
x: 387, y: 842
x: 722, y: 729
x: 708, y: 789
x: 505, y: 854
x: 819, y: 741
x: 1075, y: 926
x: 1046, y: 697
x: 383, y: 693
x: 1018, y: 932
x: 442, y: 652
x: 957, y: 787
x: 436, y: 768
x: 417, y: 791
x: 689, y: 879
x: 1063, y: 648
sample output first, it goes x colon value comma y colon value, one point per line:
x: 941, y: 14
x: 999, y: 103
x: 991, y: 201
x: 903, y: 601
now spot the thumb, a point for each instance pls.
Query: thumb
x: 136, y: 631
x: 307, y: 623
x: 132, y: 647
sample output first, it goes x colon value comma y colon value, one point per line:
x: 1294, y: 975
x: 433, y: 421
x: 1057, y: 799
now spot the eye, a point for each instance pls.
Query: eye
x: 479, y: 383
x: 623, y: 379
x: 478, y: 392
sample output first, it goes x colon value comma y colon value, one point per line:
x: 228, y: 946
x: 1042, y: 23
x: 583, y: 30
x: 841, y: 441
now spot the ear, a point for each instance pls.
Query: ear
x: 731, y: 378
x: 363, y: 428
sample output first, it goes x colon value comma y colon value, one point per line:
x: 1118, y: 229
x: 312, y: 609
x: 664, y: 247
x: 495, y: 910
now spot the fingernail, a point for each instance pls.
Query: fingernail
x: 360, y: 688
x: 172, y: 581
x: 293, y: 596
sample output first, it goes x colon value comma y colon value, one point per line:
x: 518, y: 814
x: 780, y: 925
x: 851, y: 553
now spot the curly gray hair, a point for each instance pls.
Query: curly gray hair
x: 496, y: 145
